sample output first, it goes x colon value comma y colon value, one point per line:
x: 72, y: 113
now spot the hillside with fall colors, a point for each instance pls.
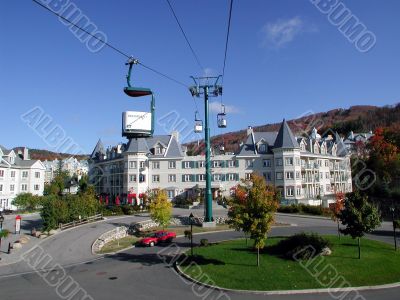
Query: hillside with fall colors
x: 38, y: 154
x: 361, y: 118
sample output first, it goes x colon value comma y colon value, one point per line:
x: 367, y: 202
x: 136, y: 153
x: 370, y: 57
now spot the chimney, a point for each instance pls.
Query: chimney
x: 175, y: 134
x: 26, y: 154
x: 119, y: 150
x: 249, y: 130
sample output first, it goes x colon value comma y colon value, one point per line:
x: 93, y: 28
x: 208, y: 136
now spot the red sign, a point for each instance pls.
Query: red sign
x: 18, y: 224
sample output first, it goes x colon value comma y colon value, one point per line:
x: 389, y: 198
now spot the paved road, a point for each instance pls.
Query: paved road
x: 140, y: 273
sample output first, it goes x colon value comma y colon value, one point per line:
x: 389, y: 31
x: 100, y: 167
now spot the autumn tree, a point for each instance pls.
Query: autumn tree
x: 359, y: 216
x: 336, y: 209
x: 160, y: 208
x: 252, y: 210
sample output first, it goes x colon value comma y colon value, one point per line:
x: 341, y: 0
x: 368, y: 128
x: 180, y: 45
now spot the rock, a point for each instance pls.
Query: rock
x: 326, y: 251
x: 24, y: 239
x: 51, y: 232
x: 37, y: 234
x: 17, y: 245
x: 42, y: 236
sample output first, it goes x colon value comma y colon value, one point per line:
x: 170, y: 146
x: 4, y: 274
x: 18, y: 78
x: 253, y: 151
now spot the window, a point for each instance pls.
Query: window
x: 132, y: 178
x: 187, y: 178
x: 279, y: 162
x: 186, y: 165
x: 12, y: 188
x: 231, y: 163
x: 216, y: 164
x: 156, y: 165
x: 298, y: 191
x: 247, y: 176
x: 171, y: 178
x: 1, y: 173
x: 279, y: 175
x: 267, y: 176
x: 201, y: 164
x: 156, y: 178
x: 289, y: 191
x: 231, y: 177
x: 24, y: 187
x: 217, y: 177
x: 297, y: 161
x: 142, y: 164
x: 142, y: 178
x: 172, y: 165
x: 37, y: 175
x: 326, y: 163
x: 159, y: 150
x: 24, y: 174
x: 262, y: 148
x: 171, y: 194
x: 202, y: 177
x: 132, y: 165
x: 289, y: 175
x: 297, y: 175
x: 36, y: 187
x: 328, y: 187
x: 327, y: 175
x: 267, y: 163
x: 1, y: 187
x: 12, y: 174
x: 289, y: 161
x: 302, y: 147
x: 249, y: 163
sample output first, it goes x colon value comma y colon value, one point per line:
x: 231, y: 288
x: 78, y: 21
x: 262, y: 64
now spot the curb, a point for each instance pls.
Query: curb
x: 286, y: 292
x: 303, y: 216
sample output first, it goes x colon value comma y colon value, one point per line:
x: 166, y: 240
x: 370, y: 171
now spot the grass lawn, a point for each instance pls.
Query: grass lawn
x: 117, y: 245
x: 233, y: 265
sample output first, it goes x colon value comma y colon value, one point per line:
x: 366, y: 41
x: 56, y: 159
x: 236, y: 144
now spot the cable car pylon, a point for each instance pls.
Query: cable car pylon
x: 202, y: 86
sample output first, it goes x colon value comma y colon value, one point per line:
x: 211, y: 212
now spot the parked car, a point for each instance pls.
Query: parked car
x: 158, y: 237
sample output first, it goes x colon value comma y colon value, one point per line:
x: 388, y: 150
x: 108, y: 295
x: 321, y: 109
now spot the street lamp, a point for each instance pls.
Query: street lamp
x: 1, y: 221
x: 392, y: 209
x: 191, y: 217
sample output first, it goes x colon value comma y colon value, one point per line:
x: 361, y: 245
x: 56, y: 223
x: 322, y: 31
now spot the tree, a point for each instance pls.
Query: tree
x: 252, y: 210
x: 54, y: 212
x: 160, y: 208
x: 337, y: 208
x: 359, y: 216
x: 27, y: 201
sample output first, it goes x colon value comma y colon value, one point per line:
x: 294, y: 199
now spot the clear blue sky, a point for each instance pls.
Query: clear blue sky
x: 284, y: 59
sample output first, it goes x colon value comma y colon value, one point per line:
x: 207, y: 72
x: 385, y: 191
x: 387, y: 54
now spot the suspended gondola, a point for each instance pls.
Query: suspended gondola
x: 221, y: 117
x: 198, y: 123
x: 136, y: 124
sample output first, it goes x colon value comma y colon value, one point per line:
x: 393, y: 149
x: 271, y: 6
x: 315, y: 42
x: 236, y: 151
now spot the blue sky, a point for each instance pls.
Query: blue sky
x: 284, y: 59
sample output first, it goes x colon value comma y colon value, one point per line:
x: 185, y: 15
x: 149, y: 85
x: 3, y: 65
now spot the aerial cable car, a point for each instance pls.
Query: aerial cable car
x: 136, y: 124
x: 198, y: 123
x: 221, y: 120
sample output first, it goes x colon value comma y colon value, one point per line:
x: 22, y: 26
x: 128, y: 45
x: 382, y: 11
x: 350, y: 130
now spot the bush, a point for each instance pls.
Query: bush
x: 289, y: 209
x: 128, y: 209
x: 188, y: 234
x: 397, y: 224
x: 301, y: 246
x: 204, y: 242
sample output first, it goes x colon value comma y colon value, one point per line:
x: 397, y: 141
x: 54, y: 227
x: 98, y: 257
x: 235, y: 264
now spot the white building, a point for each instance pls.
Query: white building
x: 19, y: 174
x: 73, y: 166
x: 304, y: 169
x: 354, y: 139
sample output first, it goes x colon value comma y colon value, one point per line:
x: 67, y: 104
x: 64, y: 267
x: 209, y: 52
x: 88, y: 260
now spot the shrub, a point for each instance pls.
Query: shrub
x: 397, y: 224
x: 289, y: 209
x: 204, y: 242
x: 188, y: 234
x: 128, y: 209
x: 301, y: 246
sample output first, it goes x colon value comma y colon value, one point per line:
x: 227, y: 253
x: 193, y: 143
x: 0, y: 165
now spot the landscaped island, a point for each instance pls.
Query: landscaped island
x: 233, y: 265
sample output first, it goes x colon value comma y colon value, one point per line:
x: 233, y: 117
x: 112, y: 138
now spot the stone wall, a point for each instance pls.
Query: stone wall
x: 117, y: 233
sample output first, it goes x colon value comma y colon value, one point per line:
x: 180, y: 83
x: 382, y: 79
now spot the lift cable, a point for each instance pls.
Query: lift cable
x: 227, y: 39
x: 185, y: 36
x: 109, y: 45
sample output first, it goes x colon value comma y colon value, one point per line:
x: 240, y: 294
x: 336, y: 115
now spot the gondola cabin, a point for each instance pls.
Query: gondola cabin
x: 137, y: 124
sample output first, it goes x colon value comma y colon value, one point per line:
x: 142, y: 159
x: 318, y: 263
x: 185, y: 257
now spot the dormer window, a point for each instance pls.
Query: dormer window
x: 315, y: 148
x: 159, y: 149
x: 262, y: 148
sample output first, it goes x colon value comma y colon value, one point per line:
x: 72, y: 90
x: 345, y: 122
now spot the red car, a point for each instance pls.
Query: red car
x: 158, y: 237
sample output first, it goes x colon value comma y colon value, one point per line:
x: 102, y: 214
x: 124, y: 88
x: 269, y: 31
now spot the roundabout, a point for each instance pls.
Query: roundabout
x: 142, y: 273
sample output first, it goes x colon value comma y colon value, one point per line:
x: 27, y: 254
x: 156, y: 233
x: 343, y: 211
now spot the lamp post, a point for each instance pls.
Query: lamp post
x: 392, y: 209
x: 1, y: 221
x: 191, y: 217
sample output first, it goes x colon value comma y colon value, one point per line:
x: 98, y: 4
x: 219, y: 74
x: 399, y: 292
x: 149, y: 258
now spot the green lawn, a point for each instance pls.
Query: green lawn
x: 117, y: 245
x: 233, y: 265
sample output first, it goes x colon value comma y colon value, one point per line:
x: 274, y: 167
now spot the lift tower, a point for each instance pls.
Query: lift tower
x: 204, y: 87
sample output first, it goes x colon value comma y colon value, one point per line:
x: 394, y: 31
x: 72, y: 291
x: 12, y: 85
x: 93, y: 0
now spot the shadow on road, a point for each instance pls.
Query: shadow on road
x: 29, y: 224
